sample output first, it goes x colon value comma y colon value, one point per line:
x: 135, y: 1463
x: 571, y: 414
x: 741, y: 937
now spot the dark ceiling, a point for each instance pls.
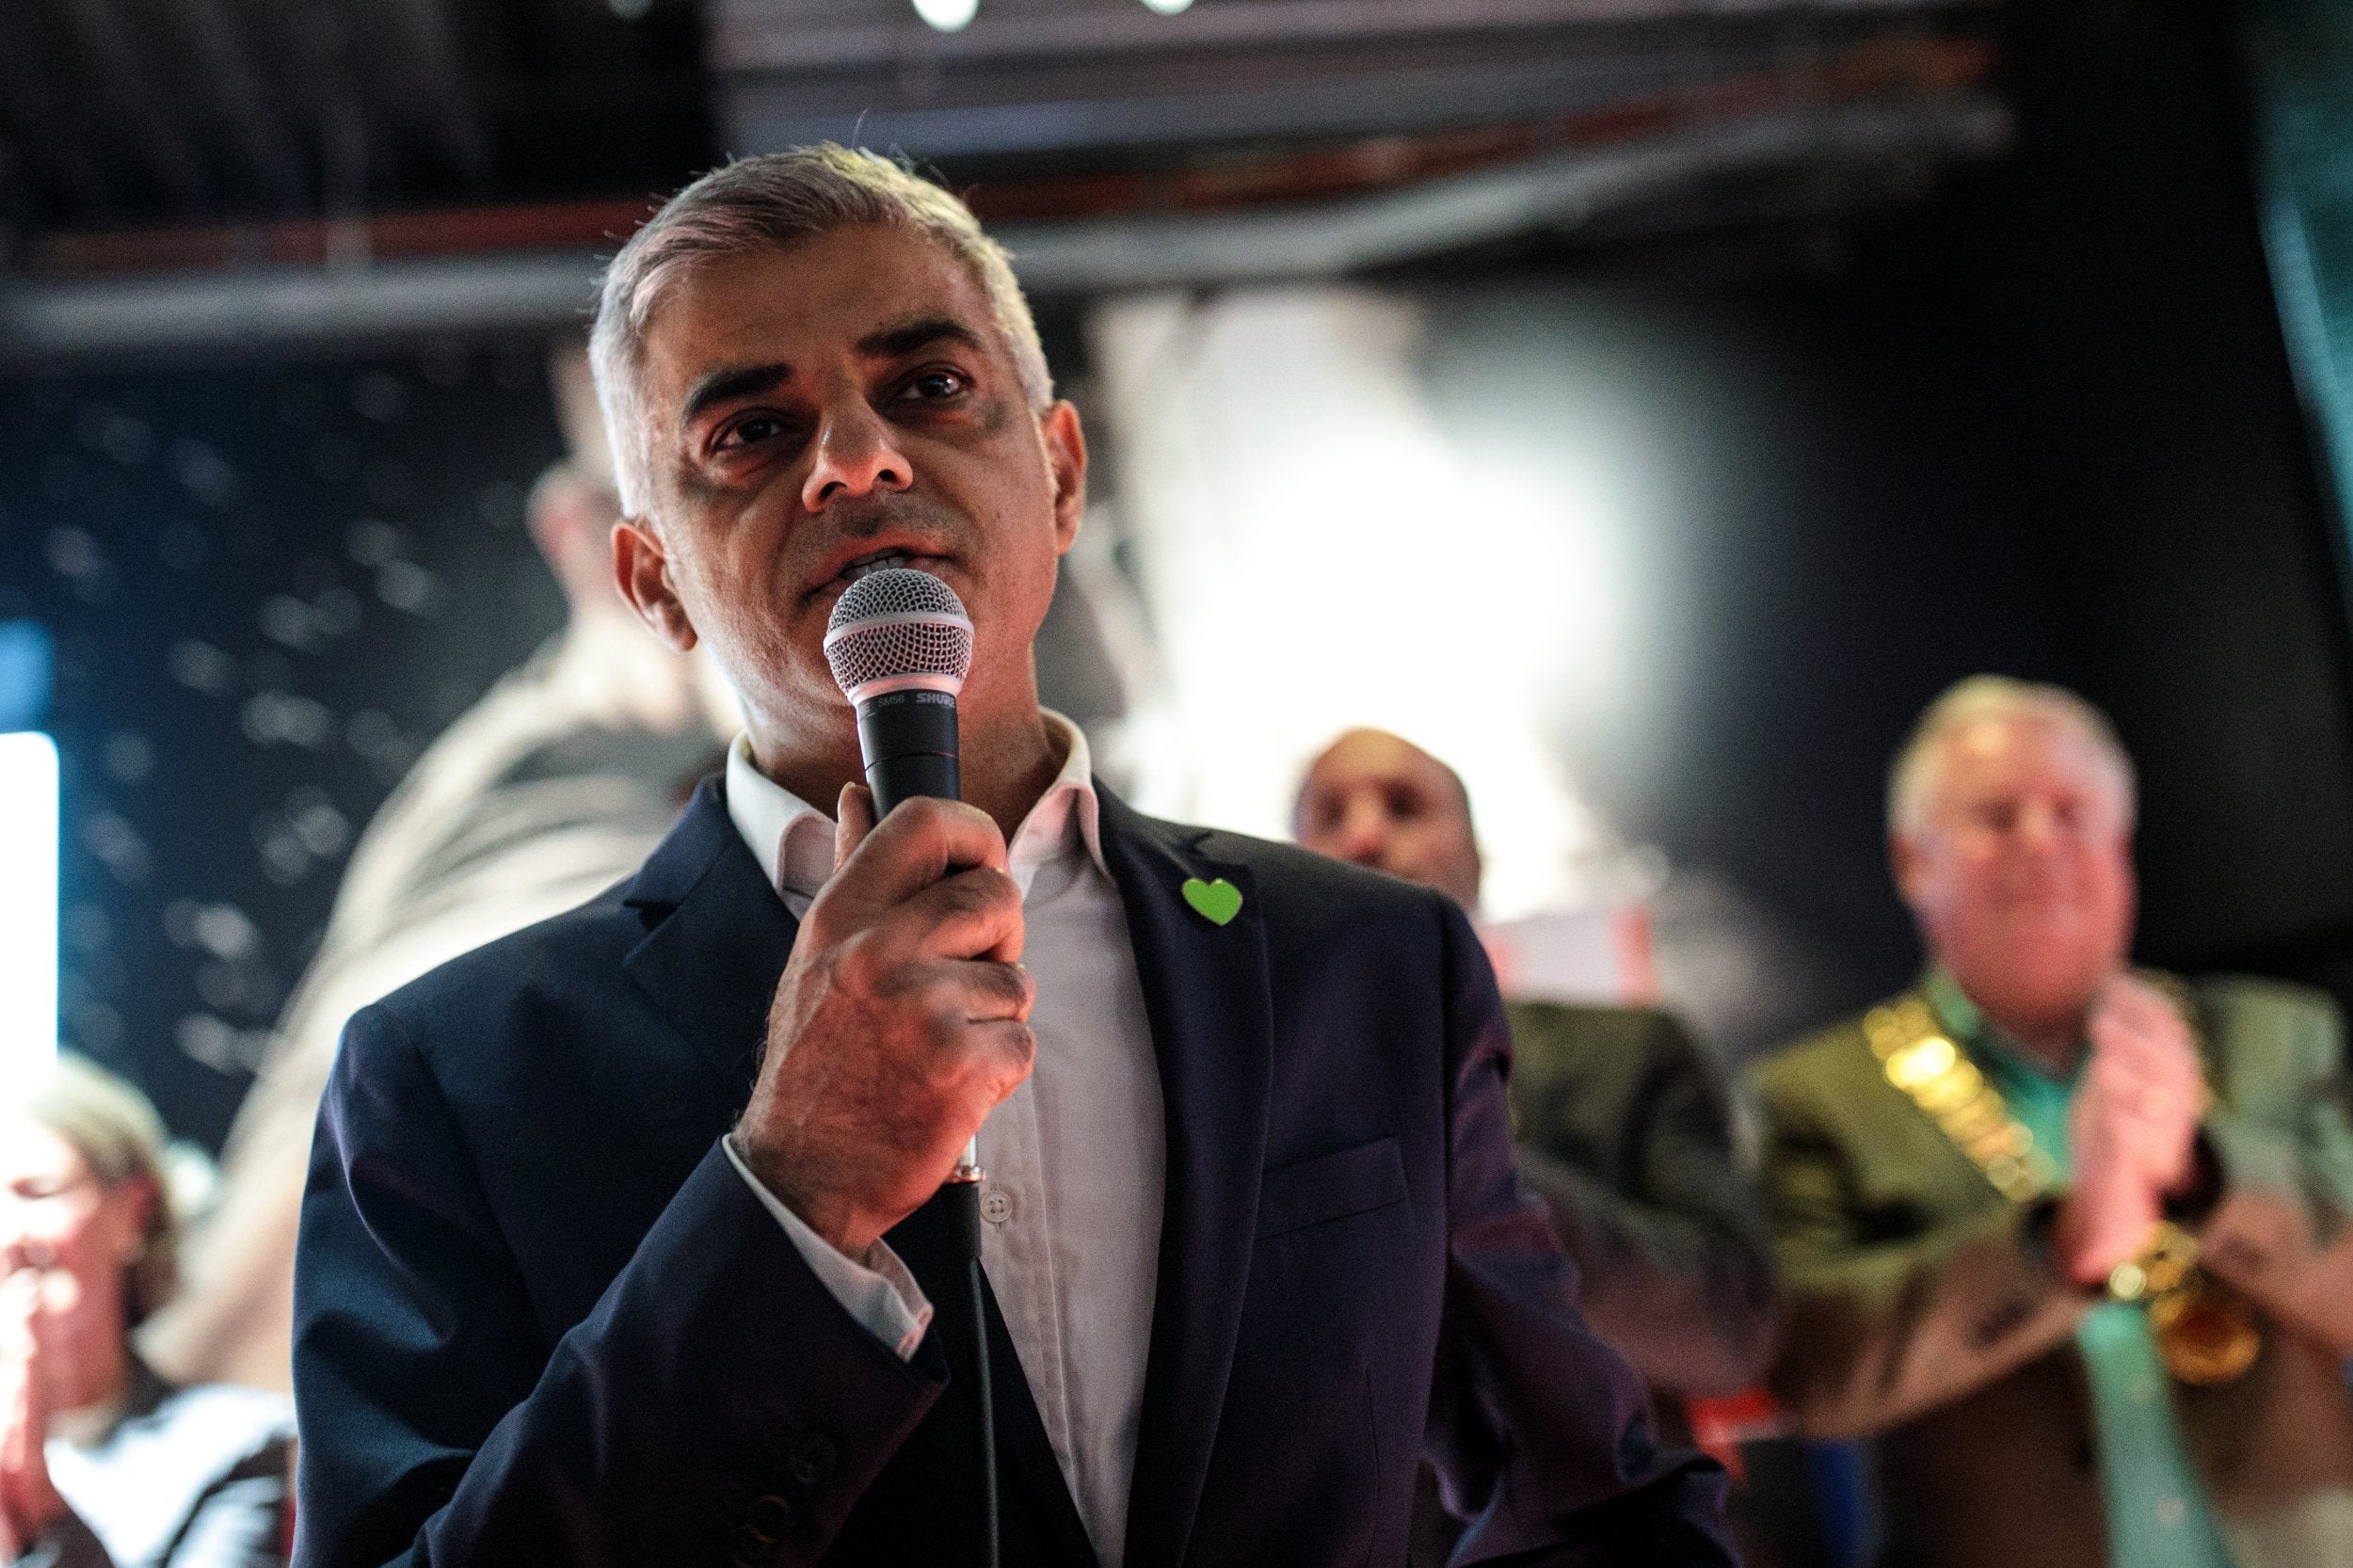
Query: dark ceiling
x: 124, y: 112
x: 209, y: 172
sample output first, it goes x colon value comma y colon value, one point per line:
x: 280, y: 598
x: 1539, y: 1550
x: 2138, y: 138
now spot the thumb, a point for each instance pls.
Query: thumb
x: 854, y: 819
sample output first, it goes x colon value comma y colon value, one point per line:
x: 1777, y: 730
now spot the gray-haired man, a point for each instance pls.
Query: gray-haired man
x: 2069, y: 1239
x: 620, y: 1247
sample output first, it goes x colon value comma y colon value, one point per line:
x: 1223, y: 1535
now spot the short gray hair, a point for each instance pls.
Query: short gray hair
x: 1993, y: 696
x: 773, y: 203
x: 118, y: 1134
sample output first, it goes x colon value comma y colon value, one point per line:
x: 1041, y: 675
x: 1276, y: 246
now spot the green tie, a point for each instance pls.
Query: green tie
x: 2157, y: 1511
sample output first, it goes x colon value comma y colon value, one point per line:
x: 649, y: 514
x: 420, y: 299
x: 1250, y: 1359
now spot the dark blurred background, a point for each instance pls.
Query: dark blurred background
x: 1957, y: 337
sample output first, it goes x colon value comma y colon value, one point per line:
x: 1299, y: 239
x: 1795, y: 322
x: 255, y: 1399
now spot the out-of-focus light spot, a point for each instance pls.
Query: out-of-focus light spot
x: 28, y: 909
x: 1168, y: 8
x: 949, y: 16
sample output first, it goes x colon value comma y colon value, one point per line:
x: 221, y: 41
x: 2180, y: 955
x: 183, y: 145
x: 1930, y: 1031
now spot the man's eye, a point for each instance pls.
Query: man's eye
x: 936, y: 385
x: 750, y: 430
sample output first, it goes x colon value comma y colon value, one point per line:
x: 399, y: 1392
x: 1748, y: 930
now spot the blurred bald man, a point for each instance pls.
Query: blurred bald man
x: 1623, y: 1125
x: 2068, y: 1238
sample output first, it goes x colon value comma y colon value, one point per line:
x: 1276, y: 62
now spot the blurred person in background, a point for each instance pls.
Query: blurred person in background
x: 102, y: 1463
x: 2067, y: 1238
x: 551, y: 789
x: 1622, y: 1124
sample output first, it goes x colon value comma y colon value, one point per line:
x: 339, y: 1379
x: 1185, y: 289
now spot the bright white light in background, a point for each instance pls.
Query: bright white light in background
x: 28, y: 909
x: 1168, y: 8
x: 949, y: 16
x: 1314, y: 555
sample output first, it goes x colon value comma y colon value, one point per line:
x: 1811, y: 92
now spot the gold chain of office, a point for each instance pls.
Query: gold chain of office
x: 2205, y: 1333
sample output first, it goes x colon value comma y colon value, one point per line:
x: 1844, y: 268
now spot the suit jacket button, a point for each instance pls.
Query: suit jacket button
x: 748, y: 1549
x: 769, y: 1520
x: 812, y: 1460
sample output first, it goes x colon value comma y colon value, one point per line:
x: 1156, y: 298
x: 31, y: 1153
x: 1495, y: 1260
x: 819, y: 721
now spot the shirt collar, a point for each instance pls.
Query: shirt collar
x: 793, y: 841
x: 1984, y: 1039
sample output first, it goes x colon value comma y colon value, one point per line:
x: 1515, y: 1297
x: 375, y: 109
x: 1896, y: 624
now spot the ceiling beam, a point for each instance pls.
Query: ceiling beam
x: 1560, y: 193
x: 760, y: 36
x: 273, y: 308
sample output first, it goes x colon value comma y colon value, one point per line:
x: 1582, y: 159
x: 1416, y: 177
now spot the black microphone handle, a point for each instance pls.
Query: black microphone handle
x: 908, y: 740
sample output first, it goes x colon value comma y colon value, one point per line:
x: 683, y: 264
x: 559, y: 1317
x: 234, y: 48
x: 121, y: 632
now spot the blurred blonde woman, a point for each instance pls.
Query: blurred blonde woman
x: 103, y: 1464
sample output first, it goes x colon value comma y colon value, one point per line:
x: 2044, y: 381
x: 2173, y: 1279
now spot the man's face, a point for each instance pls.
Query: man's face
x: 2021, y: 874
x: 813, y: 412
x: 1386, y: 802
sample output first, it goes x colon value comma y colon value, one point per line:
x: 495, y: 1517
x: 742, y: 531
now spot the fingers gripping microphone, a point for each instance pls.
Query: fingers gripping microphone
x: 901, y: 645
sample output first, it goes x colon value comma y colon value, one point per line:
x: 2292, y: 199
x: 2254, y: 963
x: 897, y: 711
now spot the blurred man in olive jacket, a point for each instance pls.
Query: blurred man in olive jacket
x: 1622, y: 1124
x: 2067, y: 1238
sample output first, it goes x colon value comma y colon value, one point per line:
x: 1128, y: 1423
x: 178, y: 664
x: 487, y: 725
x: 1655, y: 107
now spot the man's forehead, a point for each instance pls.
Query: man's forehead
x: 822, y: 295
x: 2026, y: 748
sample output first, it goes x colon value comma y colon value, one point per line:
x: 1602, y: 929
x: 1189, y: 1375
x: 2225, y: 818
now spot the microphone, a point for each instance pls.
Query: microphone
x: 900, y: 645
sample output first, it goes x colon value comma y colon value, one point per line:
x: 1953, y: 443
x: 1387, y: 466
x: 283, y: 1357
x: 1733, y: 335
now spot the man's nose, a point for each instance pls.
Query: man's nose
x: 856, y: 454
x: 1364, y: 836
x: 2038, y: 828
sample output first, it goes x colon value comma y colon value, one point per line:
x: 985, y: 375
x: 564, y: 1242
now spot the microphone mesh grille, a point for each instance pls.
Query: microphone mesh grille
x: 866, y: 641
x: 894, y: 591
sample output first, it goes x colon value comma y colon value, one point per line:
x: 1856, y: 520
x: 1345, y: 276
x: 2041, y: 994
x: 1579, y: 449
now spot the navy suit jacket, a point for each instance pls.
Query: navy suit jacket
x: 539, y: 1318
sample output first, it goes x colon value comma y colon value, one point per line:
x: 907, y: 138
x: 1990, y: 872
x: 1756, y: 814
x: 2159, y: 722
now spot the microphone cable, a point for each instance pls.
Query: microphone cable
x: 965, y: 1190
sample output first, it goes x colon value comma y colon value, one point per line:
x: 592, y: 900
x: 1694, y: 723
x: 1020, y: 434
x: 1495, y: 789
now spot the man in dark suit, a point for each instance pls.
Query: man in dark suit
x: 1625, y: 1124
x: 621, y: 1244
x: 1625, y: 1127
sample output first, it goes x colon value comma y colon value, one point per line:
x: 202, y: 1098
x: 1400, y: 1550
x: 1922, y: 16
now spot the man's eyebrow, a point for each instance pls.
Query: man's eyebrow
x: 723, y: 385
x: 904, y: 338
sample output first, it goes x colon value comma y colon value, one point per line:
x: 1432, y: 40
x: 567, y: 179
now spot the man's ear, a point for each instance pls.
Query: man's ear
x: 641, y: 570
x: 1066, y: 460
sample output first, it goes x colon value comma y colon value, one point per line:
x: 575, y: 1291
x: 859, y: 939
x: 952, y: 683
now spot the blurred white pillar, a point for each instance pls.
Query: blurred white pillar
x: 1314, y: 555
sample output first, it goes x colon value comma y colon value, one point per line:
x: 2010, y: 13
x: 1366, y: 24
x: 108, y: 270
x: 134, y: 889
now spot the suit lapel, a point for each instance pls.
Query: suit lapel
x: 926, y: 1241
x: 719, y: 939
x: 1206, y: 997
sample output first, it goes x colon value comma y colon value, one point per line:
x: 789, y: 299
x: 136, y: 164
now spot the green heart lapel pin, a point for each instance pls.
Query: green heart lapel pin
x: 1214, y: 901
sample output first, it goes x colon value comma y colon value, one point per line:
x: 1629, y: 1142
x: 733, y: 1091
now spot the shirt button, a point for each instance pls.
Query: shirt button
x: 2170, y: 1512
x: 996, y: 1206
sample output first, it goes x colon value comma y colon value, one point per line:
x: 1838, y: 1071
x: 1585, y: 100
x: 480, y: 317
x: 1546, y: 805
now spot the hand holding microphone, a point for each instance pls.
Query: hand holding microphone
x: 903, y: 1016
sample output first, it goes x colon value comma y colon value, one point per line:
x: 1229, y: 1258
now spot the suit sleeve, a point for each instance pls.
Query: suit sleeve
x: 1674, y: 1256
x: 1878, y: 1328
x: 718, y: 1404
x: 2278, y: 1230
x: 1539, y: 1433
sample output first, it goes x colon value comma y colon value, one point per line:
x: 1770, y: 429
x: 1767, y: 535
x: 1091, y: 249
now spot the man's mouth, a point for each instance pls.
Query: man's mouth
x: 883, y: 560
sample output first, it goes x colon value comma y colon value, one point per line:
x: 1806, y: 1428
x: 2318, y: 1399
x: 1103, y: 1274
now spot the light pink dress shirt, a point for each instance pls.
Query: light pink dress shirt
x: 1075, y: 1157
